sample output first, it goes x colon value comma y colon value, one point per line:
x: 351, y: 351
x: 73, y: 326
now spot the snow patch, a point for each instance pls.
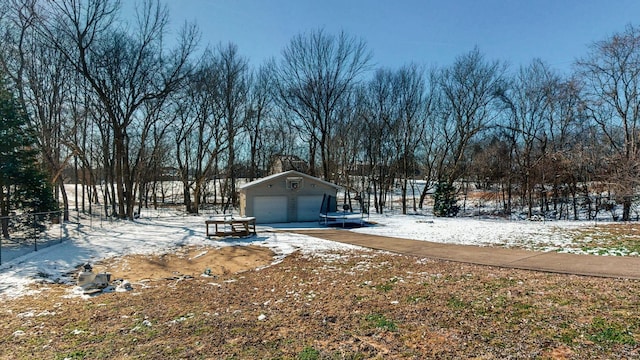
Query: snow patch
x: 89, y: 243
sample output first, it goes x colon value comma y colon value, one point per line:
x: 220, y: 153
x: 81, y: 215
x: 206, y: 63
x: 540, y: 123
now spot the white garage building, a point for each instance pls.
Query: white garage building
x: 289, y: 196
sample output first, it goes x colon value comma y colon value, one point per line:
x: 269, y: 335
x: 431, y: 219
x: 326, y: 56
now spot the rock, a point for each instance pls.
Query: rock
x: 125, y: 285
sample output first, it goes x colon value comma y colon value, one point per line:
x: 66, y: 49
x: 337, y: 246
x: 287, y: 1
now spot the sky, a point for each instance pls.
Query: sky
x: 425, y: 32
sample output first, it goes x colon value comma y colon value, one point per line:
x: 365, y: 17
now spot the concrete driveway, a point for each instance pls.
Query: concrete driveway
x: 626, y: 267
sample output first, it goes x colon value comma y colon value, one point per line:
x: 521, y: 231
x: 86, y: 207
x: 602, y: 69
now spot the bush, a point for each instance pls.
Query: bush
x: 444, y: 200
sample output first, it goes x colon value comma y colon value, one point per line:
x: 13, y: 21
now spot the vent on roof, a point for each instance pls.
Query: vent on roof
x: 294, y: 183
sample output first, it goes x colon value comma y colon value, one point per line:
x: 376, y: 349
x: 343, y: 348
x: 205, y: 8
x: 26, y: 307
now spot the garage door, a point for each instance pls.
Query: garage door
x: 270, y: 209
x: 309, y: 207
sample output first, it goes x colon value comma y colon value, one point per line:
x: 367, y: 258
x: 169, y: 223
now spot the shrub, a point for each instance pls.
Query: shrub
x: 444, y: 200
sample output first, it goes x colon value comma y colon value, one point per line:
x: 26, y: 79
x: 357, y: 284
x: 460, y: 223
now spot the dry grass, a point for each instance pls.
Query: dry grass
x: 355, y: 305
x: 611, y: 238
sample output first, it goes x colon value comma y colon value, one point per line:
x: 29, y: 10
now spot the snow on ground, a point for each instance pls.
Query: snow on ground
x: 535, y: 235
x: 91, y: 241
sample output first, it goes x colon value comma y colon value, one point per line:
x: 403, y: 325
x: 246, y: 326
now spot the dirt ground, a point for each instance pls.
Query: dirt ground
x: 186, y: 261
x: 337, y: 305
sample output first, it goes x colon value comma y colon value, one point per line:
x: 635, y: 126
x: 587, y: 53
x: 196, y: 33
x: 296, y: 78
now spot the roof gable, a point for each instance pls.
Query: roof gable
x: 285, y: 175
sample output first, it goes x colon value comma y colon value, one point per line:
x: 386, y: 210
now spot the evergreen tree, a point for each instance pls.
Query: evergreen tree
x: 444, y: 200
x: 23, y: 185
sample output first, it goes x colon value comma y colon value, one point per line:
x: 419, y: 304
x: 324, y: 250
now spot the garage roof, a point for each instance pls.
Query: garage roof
x: 286, y: 174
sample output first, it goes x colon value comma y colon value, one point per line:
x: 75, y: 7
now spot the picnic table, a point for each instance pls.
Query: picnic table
x: 230, y: 226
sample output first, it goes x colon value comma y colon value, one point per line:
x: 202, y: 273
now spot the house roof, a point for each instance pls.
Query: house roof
x: 287, y: 174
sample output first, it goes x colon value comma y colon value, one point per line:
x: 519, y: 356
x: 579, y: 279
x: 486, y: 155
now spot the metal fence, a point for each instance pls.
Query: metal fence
x: 25, y: 233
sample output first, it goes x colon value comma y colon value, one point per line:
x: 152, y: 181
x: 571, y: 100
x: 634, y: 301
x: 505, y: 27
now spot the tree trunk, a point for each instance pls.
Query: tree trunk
x: 197, y: 192
x: 626, y: 208
x: 254, y: 151
x: 119, y: 175
x: 324, y: 155
x: 403, y: 188
x: 187, y: 197
x: 65, y: 200
x: 312, y: 157
x: 4, y: 211
x: 375, y: 198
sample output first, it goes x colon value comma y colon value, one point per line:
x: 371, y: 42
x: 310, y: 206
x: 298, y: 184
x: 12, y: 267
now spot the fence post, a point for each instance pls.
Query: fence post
x: 35, y: 233
x: 60, y: 221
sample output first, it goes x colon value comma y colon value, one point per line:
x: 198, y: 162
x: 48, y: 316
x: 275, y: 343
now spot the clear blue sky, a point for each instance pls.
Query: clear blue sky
x: 426, y: 32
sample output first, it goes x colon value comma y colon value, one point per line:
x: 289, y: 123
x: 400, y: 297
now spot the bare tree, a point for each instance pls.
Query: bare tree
x: 409, y: 125
x: 433, y: 142
x: 528, y: 101
x: 199, y: 130
x: 259, y: 109
x: 126, y: 70
x: 570, y: 137
x: 317, y: 71
x: 375, y: 109
x: 41, y: 77
x: 611, y: 74
x: 278, y: 137
x: 231, y: 101
x: 468, y: 91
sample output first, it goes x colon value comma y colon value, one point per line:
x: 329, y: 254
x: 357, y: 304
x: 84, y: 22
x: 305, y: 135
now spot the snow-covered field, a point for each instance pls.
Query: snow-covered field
x: 534, y: 235
x: 91, y: 242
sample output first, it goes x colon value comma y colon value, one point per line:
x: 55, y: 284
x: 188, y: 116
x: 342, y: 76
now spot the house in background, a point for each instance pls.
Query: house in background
x: 282, y: 163
x: 290, y: 196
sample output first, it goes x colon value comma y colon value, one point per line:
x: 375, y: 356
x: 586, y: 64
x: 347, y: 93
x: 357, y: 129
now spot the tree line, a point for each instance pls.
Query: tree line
x: 110, y: 100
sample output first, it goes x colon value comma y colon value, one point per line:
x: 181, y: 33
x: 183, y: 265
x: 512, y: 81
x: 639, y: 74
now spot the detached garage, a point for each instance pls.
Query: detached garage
x: 289, y: 196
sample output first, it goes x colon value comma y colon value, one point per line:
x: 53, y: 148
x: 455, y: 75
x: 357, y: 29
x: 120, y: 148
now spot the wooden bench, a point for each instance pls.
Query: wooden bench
x: 230, y: 226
